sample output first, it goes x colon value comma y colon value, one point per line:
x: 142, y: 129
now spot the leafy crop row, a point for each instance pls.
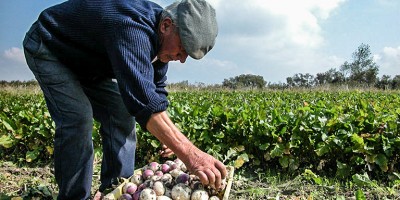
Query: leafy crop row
x: 336, y: 133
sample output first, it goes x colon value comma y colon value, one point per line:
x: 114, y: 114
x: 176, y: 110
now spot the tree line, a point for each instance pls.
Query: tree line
x: 362, y: 71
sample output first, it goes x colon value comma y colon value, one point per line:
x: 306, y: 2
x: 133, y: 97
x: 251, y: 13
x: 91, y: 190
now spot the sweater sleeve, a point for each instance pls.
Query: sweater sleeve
x: 141, y: 84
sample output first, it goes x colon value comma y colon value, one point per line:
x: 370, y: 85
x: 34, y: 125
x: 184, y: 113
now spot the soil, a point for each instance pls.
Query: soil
x: 38, y: 183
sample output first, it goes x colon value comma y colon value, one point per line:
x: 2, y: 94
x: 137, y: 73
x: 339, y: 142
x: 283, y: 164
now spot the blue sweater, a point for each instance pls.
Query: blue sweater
x: 100, y: 39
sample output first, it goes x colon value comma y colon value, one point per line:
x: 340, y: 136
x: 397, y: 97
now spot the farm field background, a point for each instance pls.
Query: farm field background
x: 293, y: 144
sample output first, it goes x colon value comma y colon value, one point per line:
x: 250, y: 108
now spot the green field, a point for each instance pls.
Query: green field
x: 284, y: 144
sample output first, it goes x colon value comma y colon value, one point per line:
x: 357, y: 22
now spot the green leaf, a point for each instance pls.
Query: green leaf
x: 220, y: 135
x: 360, y: 195
x: 382, y: 162
x: 6, y: 141
x: 264, y: 146
x: 284, y: 161
x: 7, y: 125
x: 322, y: 149
x: 241, y: 160
x: 31, y: 155
x: 358, y: 142
x: 310, y: 175
x: 362, y: 180
x: 277, y: 151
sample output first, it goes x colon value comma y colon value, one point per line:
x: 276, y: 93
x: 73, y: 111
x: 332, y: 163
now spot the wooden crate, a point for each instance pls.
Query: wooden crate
x: 224, y: 194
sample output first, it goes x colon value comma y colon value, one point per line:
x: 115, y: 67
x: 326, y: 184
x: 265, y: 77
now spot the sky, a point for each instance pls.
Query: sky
x: 272, y: 38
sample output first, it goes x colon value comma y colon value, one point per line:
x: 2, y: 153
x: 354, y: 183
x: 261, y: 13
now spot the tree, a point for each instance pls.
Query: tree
x: 331, y: 76
x: 300, y: 80
x: 363, y: 69
x: 384, y: 82
x: 245, y: 80
x: 396, y: 82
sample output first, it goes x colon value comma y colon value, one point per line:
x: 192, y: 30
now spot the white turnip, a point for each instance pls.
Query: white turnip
x: 214, y: 198
x: 148, y: 194
x: 166, y: 178
x: 163, y: 198
x: 137, y: 179
x: 181, y: 192
x: 159, y: 188
x: 199, y: 195
x: 175, y: 172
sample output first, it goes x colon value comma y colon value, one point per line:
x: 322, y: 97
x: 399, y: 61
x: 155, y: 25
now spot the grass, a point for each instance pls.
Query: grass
x: 20, y: 182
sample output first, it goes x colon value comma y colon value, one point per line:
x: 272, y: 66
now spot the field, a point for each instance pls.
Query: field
x: 303, y: 144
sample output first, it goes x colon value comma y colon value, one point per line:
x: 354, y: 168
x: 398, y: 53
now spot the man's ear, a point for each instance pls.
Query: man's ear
x: 166, y: 25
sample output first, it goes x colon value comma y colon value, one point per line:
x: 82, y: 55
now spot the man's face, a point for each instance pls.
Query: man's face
x: 171, y: 47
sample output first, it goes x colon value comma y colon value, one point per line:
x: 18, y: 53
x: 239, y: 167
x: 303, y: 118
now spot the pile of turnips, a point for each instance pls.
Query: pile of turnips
x: 170, y: 180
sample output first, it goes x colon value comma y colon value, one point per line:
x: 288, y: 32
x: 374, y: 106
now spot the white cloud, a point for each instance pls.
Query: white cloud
x: 274, y: 39
x: 389, y: 61
x: 15, y: 54
x: 13, y: 65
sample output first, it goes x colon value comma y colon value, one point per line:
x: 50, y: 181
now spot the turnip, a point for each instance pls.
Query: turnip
x: 129, y: 188
x: 174, y: 166
x: 137, y: 179
x: 195, y: 185
x: 147, y: 174
x: 136, y: 195
x: 154, y: 166
x: 148, y: 184
x: 214, y: 198
x: 178, y: 162
x: 168, y: 192
x: 165, y: 168
x: 155, y: 178
x: 182, y: 178
x: 193, y: 178
x: 147, y: 194
x: 163, y: 198
x: 159, y: 173
x: 159, y: 188
x: 175, y: 172
x: 125, y: 197
x: 199, y: 195
x: 169, y: 162
x: 181, y: 192
x: 142, y: 186
x: 183, y: 167
x: 166, y: 178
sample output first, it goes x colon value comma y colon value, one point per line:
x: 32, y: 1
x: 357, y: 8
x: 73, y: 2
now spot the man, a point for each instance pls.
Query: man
x: 78, y: 48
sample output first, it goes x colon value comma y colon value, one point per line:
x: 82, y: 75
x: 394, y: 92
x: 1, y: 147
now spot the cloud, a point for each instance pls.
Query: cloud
x: 389, y: 61
x: 13, y: 65
x: 274, y: 39
x: 15, y: 55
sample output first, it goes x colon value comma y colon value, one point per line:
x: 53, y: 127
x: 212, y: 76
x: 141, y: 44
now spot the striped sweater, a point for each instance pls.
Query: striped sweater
x: 100, y: 39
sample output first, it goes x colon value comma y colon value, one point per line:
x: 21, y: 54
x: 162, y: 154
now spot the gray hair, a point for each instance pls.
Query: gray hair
x: 171, y: 11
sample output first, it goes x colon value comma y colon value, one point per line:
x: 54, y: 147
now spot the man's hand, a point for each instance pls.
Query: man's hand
x: 210, y: 170
x: 207, y: 168
x: 165, y: 151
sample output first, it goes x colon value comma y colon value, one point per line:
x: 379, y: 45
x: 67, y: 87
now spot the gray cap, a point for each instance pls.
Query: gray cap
x: 197, y: 27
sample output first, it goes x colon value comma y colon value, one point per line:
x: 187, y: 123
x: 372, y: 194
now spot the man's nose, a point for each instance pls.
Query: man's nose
x: 183, y: 56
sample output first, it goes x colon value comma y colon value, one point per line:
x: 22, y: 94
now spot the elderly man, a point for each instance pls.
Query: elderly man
x: 108, y: 60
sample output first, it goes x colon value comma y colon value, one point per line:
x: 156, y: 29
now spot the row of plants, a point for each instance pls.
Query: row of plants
x: 331, y: 133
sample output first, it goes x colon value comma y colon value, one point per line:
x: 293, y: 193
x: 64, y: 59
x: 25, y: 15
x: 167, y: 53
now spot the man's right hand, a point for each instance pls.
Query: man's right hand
x: 210, y: 170
x: 207, y: 168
